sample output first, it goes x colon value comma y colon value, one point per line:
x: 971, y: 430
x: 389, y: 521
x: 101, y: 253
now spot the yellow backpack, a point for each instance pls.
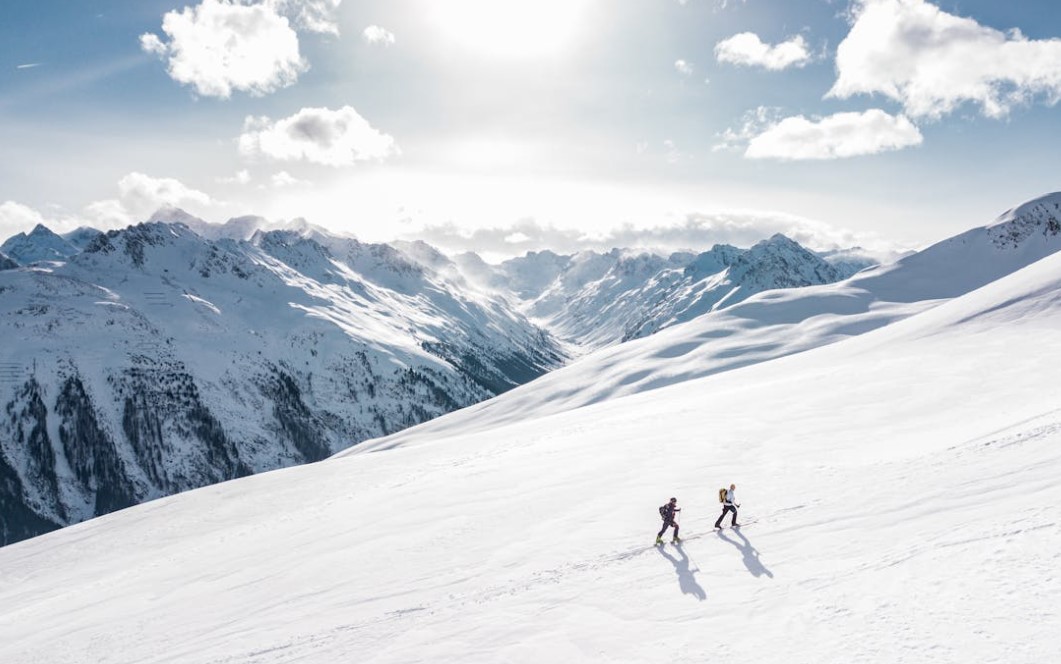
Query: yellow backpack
x: 722, y: 495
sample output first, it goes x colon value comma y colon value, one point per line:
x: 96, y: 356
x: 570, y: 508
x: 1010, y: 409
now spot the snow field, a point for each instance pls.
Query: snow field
x: 902, y: 486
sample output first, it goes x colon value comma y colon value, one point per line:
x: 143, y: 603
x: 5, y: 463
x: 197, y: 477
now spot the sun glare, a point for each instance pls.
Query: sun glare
x: 510, y: 28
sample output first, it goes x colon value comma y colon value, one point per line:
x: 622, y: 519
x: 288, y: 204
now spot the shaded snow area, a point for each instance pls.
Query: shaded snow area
x: 899, y: 489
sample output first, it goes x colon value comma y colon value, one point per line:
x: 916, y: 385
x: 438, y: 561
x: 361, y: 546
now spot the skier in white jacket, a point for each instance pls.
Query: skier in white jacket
x: 729, y: 505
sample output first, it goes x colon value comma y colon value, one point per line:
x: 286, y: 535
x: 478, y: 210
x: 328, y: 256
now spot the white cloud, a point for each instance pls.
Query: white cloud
x: 834, y: 137
x: 241, y: 177
x: 696, y: 232
x: 753, y: 123
x: 674, y: 155
x: 108, y: 214
x: 140, y: 195
x: 310, y: 15
x: 220, y: 46
x: 517, y: 238
x: 933, y: 62
x: 285, y: 179
x: 17, y: 218
x: 748, y: 50
x: 683, y: 67
x: 374, y: 34
x: 318, y: 135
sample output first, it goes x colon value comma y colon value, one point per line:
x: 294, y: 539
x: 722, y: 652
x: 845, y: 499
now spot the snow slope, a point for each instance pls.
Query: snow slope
x: 775, y: 323
x: 900, y: 489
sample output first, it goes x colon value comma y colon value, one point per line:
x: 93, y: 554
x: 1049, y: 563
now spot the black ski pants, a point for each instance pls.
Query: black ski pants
x: 667, y: 524
x: 727, y: 508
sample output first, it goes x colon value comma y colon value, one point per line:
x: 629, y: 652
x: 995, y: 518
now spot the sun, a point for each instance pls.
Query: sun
x: 509, y: 28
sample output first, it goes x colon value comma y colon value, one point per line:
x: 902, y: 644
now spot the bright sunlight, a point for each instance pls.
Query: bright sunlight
x: 510, y: 28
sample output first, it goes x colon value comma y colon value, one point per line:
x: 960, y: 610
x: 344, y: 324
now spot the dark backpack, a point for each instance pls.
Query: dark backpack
x: 664, y: 512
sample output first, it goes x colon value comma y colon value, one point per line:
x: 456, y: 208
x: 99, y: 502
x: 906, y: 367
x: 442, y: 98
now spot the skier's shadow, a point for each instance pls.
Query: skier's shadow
x: 686, y: 577
x: 750, y: 555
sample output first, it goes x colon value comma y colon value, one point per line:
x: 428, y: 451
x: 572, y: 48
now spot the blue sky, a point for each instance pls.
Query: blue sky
x: 505, y: 125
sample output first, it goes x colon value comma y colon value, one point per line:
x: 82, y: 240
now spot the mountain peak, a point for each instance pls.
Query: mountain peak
x: 82, y: 236
x: 41, y: 244
x: 777, y: 241
x: 170, y: 214
x: 1039, y: 216
x: 133, y: 241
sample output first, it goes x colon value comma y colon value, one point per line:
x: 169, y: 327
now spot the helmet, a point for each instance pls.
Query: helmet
x: 674, y: 500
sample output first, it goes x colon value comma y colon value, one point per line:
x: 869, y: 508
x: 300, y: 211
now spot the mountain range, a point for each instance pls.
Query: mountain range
x: 175, y: 354
x: 157, y: 361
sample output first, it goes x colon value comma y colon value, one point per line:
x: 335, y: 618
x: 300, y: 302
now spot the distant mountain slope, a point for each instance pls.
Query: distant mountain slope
x: 40, y: 244
x: 158, y: 361
x: 6, y: 263
x: 596, y: 300
x: 81, y: 237
x: 777, y: 323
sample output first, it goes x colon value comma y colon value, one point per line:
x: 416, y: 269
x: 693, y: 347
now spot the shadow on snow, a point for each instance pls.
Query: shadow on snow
x: 686, y: 576
x: 749, y: 554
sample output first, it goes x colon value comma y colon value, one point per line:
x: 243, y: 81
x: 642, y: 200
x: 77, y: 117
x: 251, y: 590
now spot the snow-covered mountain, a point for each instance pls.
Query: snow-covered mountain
x: 898, y: 507
x: 7, y: 263
x: 158, y: 360
x: 595, y: 300
x: 777, y: 323
x: 40, y: 244
x: 81, y: 237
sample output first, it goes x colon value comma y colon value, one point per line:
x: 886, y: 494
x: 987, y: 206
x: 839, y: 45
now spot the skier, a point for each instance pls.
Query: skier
x: 669, y: 512
x: 730, y: 504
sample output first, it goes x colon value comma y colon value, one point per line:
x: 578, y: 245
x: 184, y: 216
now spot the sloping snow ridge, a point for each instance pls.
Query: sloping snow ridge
x: 772, y: 324
x: 899, y: 494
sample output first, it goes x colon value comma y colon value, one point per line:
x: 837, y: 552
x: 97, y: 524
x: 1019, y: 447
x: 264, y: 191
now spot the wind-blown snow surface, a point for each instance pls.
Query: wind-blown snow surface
x: 900, y: 489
